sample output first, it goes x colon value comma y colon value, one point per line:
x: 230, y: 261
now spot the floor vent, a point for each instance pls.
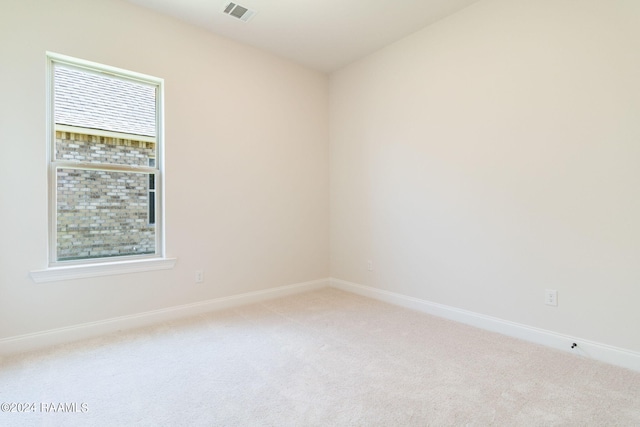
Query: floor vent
x: 239, y: 12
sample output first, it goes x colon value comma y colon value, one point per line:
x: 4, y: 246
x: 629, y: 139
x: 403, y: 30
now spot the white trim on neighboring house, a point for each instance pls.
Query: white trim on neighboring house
x: 100, y: 132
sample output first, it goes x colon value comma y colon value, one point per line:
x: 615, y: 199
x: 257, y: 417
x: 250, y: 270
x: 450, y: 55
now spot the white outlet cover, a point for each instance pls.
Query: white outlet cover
x: 551, y: 297
x: 199, y: 276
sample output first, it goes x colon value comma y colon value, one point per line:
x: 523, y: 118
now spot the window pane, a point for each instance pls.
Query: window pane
x: 87, y: 104
x: 98, y: 101
x: 102, y: 214
x: 105, y: 126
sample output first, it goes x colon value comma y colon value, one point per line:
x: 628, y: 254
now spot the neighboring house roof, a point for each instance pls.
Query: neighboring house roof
x: 95, y: 101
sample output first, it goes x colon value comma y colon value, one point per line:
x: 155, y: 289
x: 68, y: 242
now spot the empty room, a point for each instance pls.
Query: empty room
x: 317, y: 213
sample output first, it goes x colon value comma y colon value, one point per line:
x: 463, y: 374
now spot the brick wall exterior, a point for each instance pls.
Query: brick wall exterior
x: 103, y: 213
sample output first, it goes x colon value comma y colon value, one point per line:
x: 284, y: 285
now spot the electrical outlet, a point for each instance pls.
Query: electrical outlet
x: 199, y: 276
x: 551, y: 297
x: 369, y: 265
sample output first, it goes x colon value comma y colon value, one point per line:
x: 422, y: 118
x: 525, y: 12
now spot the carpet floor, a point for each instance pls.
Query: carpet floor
x: 323, y: 358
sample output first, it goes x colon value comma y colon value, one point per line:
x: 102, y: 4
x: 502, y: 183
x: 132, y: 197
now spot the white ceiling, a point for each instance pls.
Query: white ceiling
x: 321, y: 34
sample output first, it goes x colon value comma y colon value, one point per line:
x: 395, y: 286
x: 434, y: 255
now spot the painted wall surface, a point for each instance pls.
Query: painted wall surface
x: 246, y: 162
x: 493, y: 155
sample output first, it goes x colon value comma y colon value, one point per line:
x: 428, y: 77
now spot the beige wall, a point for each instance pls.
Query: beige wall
x: 247, y: 162
x: 476, y: 163
x: 493, y: 155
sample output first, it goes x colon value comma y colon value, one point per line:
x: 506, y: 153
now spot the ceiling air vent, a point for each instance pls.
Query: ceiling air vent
x: 240, y: 12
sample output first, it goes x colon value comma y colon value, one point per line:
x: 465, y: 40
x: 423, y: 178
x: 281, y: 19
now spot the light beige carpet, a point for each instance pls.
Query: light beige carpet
x: 325, y: 358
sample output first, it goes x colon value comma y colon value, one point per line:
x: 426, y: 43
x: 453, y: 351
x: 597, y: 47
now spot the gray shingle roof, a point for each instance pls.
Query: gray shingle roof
x: 97, y: 101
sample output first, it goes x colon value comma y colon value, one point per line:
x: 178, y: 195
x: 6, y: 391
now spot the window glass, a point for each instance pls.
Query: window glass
x: 102, y: 214
x: 103, y: 162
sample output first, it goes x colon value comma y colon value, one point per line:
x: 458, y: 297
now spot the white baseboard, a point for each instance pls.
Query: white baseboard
x: 593, y: 350
x: 51, y: 337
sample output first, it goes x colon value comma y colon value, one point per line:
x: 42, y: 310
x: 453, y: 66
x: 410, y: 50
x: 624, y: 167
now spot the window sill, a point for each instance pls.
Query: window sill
x: 54, y: 274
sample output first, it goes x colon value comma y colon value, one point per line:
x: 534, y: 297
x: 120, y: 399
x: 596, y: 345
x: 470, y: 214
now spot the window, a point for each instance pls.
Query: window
x: 105, y: 163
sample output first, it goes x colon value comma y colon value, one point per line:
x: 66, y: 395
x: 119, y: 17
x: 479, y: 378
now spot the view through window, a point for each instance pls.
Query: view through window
x: 104, y: 162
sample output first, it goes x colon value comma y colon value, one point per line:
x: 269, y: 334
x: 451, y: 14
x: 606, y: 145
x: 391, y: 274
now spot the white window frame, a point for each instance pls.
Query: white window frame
x: 63, y: 270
